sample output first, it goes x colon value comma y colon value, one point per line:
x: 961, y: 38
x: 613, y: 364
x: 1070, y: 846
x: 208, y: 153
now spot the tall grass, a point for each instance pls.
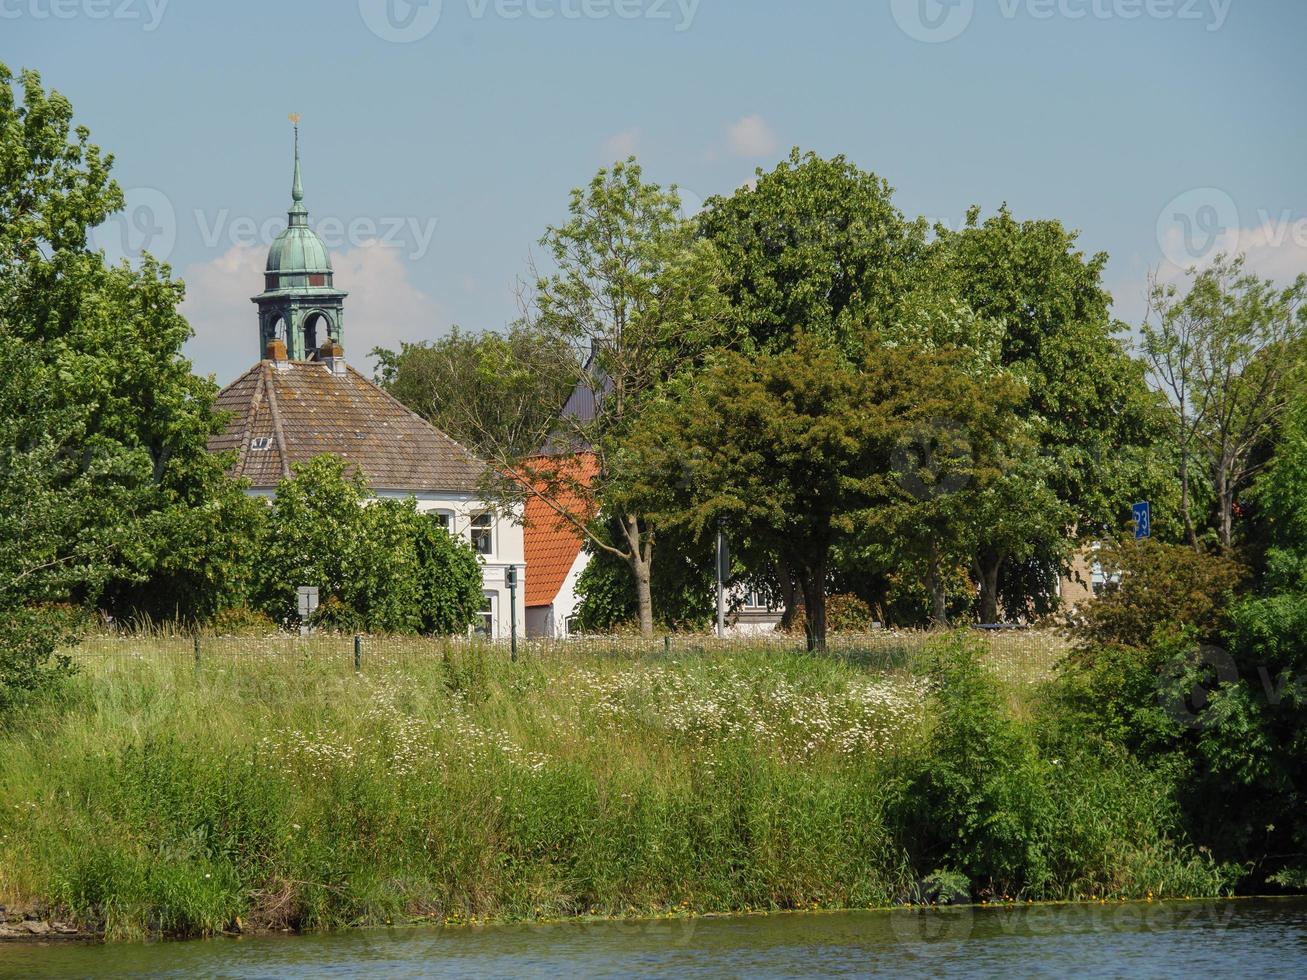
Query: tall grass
x: 283, y: 790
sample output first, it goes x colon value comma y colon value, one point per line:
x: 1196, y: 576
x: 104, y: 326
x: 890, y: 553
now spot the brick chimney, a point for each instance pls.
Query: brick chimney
x: 332, y: 355
x: 276, y: 352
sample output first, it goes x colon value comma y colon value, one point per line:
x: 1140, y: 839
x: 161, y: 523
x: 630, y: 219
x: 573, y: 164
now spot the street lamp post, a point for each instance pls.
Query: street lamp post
x: 511, y: 577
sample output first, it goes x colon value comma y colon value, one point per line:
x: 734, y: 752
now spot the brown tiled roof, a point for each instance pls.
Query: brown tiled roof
x: 552, y: 542
x: 303, y: 410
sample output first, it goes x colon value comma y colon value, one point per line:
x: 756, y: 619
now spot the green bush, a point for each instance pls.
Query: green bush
x: 977, y: 801
x: 379, y: 565
x: 241, y: 621
x: 1158, y: 588
x: 33, y: 644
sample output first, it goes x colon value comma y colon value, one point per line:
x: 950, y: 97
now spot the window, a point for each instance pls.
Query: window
x: 444, y: 518
x: 485, y: 624
x: 1100, y: 580
x: 571, y: 625
x: 757, y: 599
x: 483, y: 534
x: 261, y: 443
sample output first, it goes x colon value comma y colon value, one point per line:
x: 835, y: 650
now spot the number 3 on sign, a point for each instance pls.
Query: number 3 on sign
x: 1143, y: 520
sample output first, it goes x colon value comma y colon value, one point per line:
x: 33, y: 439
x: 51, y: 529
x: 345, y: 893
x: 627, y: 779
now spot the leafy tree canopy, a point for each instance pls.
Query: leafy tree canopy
x: 497, y: 394
x: 815, y: 245
x: 379, y: 566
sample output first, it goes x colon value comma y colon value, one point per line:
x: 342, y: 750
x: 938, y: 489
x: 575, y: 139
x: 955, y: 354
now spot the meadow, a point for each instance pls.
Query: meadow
x: 271, y: 785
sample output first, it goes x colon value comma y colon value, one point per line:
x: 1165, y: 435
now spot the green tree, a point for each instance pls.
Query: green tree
x: 106, y: 415
x: 1228, y: 354
x: 954, y: 472
x: 635, y: 293
x: 681, y: 587
x: 787, y: 448
x: 379, y: 565
x: 1087, y: 403
x: 815, y: 245
x: 494, y: 393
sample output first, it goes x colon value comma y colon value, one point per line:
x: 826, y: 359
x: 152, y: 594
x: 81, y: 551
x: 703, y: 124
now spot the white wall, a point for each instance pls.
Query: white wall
x: 551, y: 621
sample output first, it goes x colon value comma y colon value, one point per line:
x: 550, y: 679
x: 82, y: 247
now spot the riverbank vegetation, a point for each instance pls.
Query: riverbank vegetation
x: 154, y: 796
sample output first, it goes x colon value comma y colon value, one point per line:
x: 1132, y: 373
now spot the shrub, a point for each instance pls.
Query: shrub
x: 977, y: 801
x: 29, y: 640
x: 844, y: 614
x: 380, y: 566
x: 242, y: 621
x: 1158, y: 587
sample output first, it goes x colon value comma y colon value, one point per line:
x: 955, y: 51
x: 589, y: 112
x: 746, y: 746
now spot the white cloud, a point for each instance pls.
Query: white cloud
x: 751, y: 137
x: 383, y: 307
x: 621, y: 145
x: 218, y: 307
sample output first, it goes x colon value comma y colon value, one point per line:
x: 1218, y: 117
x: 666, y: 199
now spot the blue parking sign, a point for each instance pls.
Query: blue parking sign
x: 1143, y: 520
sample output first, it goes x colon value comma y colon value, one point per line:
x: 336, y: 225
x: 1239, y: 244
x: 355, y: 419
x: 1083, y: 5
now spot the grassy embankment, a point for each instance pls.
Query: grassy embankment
x: 279, y: 789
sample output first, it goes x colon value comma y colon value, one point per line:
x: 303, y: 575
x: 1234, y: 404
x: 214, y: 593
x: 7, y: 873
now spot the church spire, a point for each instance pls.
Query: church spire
x: 298, y: 213
x: 300, y: 304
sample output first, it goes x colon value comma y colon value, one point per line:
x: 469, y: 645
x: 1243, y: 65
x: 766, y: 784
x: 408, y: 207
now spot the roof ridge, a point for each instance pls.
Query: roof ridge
x: 277, y: 434
x: 247, y: 430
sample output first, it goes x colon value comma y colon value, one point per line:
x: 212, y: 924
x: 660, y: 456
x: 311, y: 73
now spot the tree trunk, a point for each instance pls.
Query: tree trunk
x: 814, y: 605
x: 789, y: 595
x: 1225, y: 501
x: 1185, y: 512
x: 938, y: 594
x: 643, y: 595
x: 640, y: 559
x: 987, y: 565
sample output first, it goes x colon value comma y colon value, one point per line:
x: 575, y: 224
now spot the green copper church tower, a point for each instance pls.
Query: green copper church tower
x: 299, y: 304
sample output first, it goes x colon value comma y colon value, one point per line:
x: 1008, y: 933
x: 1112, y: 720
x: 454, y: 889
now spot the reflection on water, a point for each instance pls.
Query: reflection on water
x: 1262, y: 938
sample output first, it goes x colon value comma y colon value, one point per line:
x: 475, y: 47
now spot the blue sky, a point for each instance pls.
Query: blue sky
x: 439, y: 147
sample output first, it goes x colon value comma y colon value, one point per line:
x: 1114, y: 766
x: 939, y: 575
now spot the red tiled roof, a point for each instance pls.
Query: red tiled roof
x: 298, y: 410
x: 552, y: 542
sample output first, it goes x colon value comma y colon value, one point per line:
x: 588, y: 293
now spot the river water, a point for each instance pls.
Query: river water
x: 1248, y: 939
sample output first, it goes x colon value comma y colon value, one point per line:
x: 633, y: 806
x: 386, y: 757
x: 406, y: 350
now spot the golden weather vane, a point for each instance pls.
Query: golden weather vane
x: 295, y: 118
